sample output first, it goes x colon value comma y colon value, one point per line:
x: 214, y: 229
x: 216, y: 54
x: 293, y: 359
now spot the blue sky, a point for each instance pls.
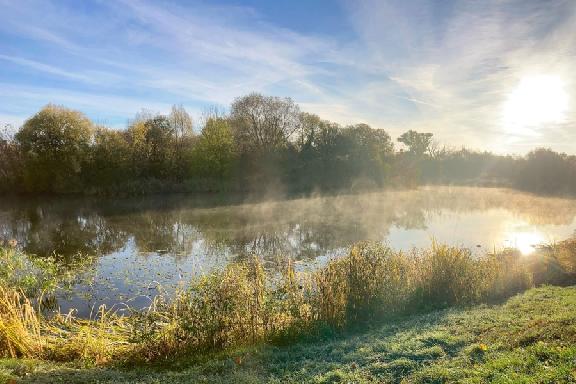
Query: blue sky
x: 491, y: 74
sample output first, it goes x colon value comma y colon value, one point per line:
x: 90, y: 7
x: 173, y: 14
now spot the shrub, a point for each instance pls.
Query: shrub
x: 222, y: 309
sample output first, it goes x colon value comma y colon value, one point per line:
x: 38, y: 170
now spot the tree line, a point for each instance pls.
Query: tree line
x: 263, y: 143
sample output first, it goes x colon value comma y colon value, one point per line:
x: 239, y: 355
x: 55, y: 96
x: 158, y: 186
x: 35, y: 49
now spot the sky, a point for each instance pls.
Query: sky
x: 491, y: 75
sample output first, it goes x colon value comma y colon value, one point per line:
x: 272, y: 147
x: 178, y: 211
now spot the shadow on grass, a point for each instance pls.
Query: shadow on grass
x: 389, y: 351
x: 479, y: 342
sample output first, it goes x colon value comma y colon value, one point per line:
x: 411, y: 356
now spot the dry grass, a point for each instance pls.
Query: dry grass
x: 243, y: 304
x: 19, y: 325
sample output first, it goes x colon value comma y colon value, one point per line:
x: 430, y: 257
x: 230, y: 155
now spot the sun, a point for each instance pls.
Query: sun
x: 537, y: 100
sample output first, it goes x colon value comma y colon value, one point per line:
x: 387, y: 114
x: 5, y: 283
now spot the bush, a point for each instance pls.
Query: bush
x: 55, y: 145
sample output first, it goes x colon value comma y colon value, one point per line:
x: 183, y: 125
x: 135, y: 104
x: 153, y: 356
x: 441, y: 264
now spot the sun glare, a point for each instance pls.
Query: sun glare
x: 537, y: 100
x: 525, y: 242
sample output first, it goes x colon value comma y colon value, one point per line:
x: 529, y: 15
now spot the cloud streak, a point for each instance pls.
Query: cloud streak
x: 464, y: 64
x: 445, y: 67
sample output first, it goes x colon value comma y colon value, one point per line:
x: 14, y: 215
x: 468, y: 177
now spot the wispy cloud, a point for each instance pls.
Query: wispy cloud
x: 198, y: 54
x: 52, y: 70
x: 445, y: 67
x: 462, y: 61
x: 105, y: 108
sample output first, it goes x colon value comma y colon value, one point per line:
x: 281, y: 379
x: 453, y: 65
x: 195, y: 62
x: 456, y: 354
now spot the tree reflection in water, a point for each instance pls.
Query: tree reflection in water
x: 175, y: 229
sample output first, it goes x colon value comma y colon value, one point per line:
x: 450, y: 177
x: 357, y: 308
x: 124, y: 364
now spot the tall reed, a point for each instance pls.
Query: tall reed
x: 19, y: 325
x: 244, y: 304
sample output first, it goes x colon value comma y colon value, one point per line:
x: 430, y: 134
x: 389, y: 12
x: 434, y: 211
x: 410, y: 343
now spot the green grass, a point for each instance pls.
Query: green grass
x: 531, y: 338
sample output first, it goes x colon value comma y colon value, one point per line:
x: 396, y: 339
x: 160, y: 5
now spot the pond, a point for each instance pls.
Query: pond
x: 145, y: 245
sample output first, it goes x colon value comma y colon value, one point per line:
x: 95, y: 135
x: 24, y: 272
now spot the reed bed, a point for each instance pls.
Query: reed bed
x: 244, y: 304
x: 19, y: 325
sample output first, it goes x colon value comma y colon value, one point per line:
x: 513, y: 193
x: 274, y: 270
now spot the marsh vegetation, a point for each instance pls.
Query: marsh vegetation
x: 242, y: 304
x: 528, y: 338
x: 373, y: 315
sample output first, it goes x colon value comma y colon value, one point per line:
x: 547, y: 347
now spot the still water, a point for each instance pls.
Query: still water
x: 149, y: 244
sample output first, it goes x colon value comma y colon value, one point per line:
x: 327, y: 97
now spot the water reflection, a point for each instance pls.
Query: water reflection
x: 525, y: 238
x: 164, y: 240
x: 303, y: 228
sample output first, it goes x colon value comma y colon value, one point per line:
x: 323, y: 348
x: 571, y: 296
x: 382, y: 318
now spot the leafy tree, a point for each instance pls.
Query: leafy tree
x: 151, y: 143
x: 264, y: 141
x: 369, y: 152
x: 214, y: 151
x: 55, y: 144
x: 110, y: 158
x: 159, y: 137
x: 309, y: 128
x: 546, y: 171
x: 321, y: 153
x: 410, y: 166
x: 263, y: 123
x: 136, y: 139
x: 335, y: 157
x: 417, y: 143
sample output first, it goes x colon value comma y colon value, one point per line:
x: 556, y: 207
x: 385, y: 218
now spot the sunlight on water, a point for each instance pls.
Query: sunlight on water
x: 525, y: 241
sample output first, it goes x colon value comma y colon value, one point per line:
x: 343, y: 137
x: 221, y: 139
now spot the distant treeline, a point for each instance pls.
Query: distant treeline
x: 262, y: 144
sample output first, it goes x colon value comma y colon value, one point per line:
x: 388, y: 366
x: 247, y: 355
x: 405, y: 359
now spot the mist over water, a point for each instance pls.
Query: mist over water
x: 155, y: 243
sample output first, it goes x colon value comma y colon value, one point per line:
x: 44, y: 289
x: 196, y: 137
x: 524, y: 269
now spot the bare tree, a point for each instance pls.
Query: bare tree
x: 181, y: 122
x: 435, y: 150
x: 212, y: 112
x: 141, y: 117
x: 183, y: 129
x: 7, y: 132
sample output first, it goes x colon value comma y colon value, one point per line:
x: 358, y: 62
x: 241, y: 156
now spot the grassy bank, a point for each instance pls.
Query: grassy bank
x: 530, y: 338
x: 243, y: 306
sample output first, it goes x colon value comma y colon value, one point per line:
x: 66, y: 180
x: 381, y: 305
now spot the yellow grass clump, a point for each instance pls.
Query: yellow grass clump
x: 19, y: 325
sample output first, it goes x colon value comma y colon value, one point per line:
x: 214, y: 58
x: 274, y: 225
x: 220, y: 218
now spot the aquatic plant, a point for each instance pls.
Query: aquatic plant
x: 37, y: 276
